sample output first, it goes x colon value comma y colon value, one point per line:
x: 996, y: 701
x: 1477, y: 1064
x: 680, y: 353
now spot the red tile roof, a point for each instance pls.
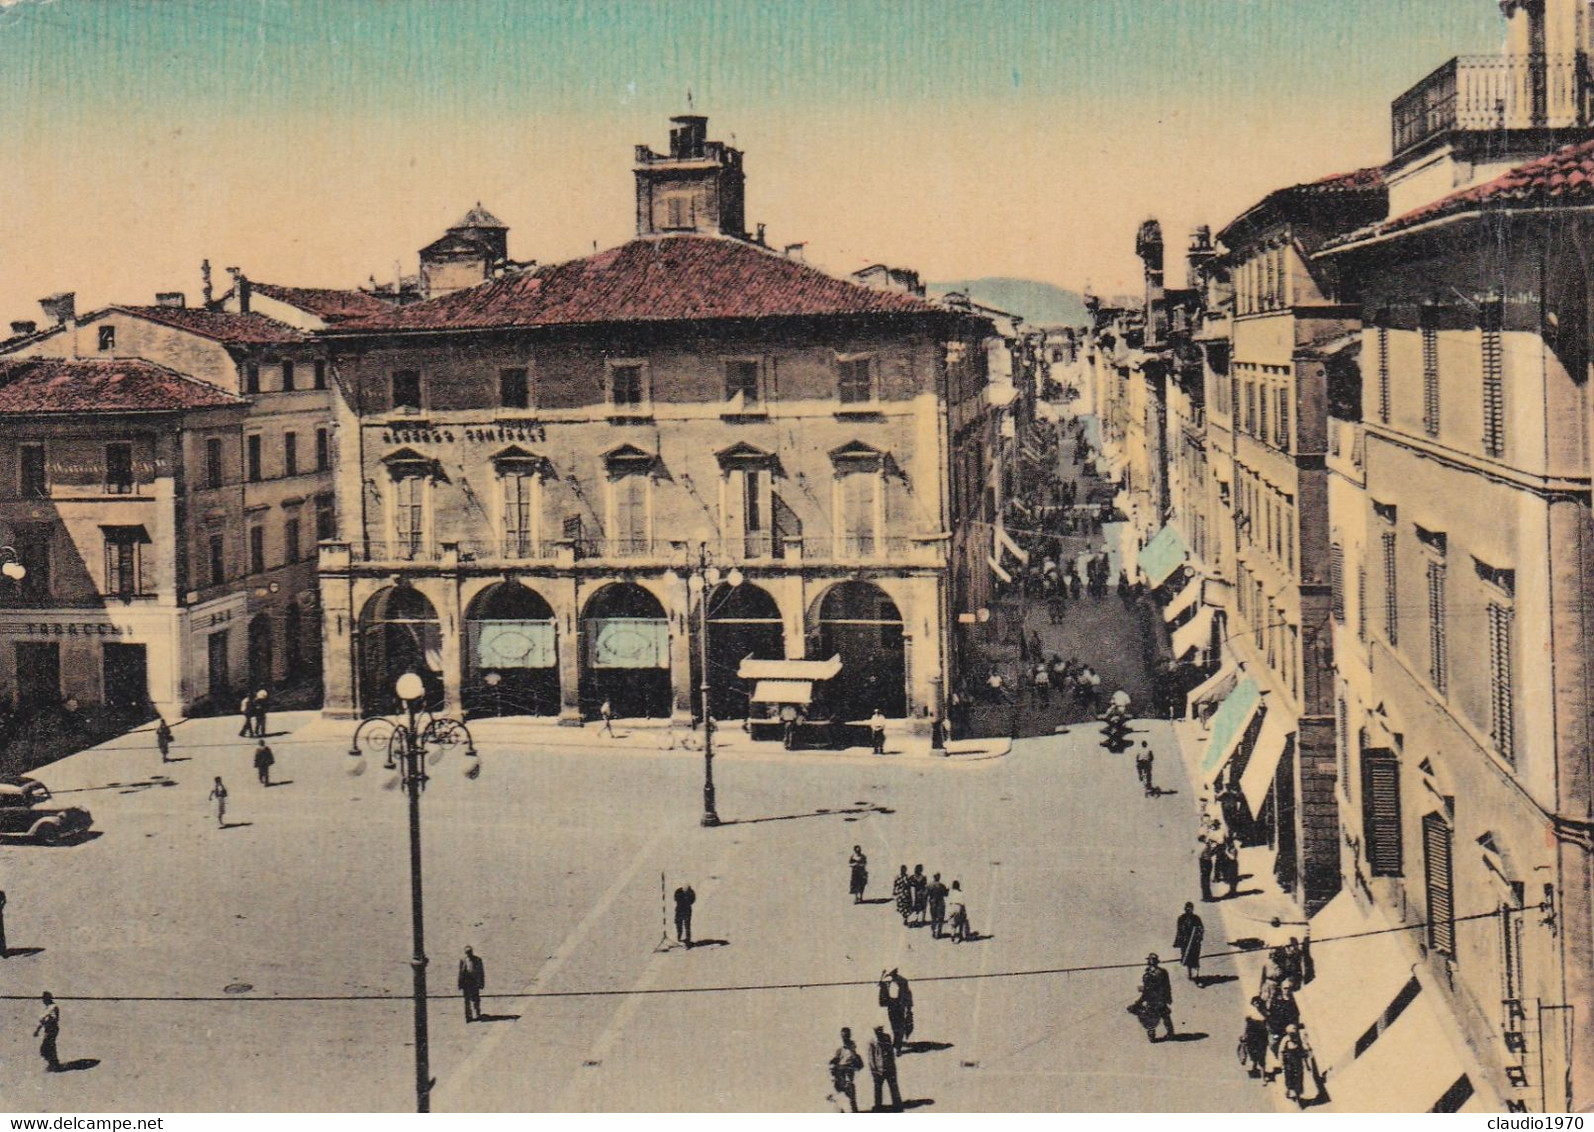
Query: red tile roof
x: 1563, y: 178
x: 1357, y: 180
x: 665, y: 279
x: 1358, y: 188
x: 122, y: 385
x: 221, y: 326
x: 327, y: 303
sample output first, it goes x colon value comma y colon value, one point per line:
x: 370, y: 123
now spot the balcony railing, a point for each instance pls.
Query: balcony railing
x: 1493, y: 92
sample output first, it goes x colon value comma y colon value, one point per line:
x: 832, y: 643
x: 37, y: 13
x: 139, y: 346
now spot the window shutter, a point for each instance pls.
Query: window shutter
x: 1336, y: 581
x: 1383, y: 374
x: 1381, y: 812
x: 1436, y: 841
x: 1430, y: 380
x: 1391, y: 594
x: 1493, y: 382
x: 1438, y: 667
x: 1502, y: 721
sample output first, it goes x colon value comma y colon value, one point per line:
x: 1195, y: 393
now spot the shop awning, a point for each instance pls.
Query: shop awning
x: 1361, y: 968
x: 783, y: 692
x: 1260, y: 768
x: 1410, y: 1067
x: 1183, y: 600
x: 808, y: 670
x: 1162, y: 556
x: 1214, y: 687
x: 1195, y: 633
x: 1228, y: 727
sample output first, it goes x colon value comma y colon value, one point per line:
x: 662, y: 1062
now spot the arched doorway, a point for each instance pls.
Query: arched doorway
x: 260, y: 651
x: 742, y: 621
x: 511, y: 654
x: 858, y: 622
x: 625, y: 653
x: 399, y: 633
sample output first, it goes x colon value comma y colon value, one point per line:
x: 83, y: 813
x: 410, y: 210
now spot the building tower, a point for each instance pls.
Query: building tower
x: 697, y: 187
x: 470, y: 252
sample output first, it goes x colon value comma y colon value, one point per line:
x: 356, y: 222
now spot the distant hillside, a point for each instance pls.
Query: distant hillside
x: 1040, y: 303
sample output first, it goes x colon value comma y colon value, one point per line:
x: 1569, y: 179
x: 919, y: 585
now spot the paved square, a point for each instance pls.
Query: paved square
x: 550, y: 865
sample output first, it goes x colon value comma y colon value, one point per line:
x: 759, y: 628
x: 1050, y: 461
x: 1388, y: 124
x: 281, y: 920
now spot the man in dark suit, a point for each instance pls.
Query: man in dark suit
x: 883, y: 1068
x: 684, y: 899
x: 472, y: 980
x: 1156, y: 998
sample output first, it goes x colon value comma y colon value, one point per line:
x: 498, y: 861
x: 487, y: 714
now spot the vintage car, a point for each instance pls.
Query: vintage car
x: 27, y: 810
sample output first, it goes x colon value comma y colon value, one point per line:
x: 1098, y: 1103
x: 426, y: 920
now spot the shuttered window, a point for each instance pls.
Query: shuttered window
x: 1383, y: 374
x: 1361, y: 602
x: 409, y: 515
x: 1381, y: 812
x: 1436, y: 843
x: 1493, y: 381
x: 1336, y: 581
x: 519, y: 495
x: 1438, y: 667
x: 1430, y: 380
x: 1391, y: 592
x: 631, y: 515
x: 1502, y: 707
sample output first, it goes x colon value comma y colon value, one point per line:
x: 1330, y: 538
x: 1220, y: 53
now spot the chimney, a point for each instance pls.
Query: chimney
x: 60, y: 309
x: 23, y: 328
x: 760, y: 238
x: 170, y: 299
x: 241, y: 289
x: 204, y: 275
x: 795, y: 251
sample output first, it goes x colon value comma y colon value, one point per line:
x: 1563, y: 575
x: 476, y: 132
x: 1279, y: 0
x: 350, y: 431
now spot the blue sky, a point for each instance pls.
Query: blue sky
x: 321, y: 140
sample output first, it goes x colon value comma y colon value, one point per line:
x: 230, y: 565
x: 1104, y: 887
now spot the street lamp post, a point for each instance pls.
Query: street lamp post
x: 404, y: 745
x: 703, y: 575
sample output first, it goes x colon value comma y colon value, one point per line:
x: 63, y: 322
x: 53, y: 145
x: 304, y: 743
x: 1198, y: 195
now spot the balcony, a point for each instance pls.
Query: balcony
x: 1493, y: 92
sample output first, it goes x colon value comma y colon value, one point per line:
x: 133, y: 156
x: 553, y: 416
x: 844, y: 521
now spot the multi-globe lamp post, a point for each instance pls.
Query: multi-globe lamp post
x: 702, y: 577
x: 404, y: 745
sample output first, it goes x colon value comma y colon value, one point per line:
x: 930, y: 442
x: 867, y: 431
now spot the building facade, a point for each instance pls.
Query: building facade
x: 531, y: 469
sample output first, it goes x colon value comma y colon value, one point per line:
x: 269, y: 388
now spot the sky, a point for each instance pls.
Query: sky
x: 320, y: 142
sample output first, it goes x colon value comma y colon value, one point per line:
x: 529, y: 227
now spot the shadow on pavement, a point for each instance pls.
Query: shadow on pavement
x: 20, y: 952
x: 1189, y: 1036
x: 80, y: 1063
x: 814, y: 814
x: 924, y: 1047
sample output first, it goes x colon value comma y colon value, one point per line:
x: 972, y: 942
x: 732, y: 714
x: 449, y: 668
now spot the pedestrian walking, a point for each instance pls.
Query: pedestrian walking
x: 1282, y: 1013
x: 916, y: 886
x: 935, y: 905
x: 957, y: 914
x: 877, y: 731
x: 902, y: 894
x: 1143, y: 761
x: 5, y: 949
x: 246, y: 709
x: 897, y: 999
x: 260, y: 713
x: 218, y: 795
x: 1204, y: 863
x: 49, y: 1029
x: 938, y: 730
x: 1227, y: 865
x: 858, y: 867
x: 684, y: 899
x: 844, y: 1068
x: 1043, y: 684
x: 1295, y: 1056
x: 1189, y: 932
x: 883, y: 1068
x: 163, y: 740
x: 264, y: 760
x: 606, y: 713
x: 472, y: 981
x: 1253, y: 1040
x: 1155, y: 1004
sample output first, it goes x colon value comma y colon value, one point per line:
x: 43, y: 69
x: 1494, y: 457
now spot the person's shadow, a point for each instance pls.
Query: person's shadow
x: 697, y: 943
x: 281, y: 782
x: 924, y: 1047
x: 497, y: 1017
x: 19, y: 952
x: 236, y: 824
x: 77, y: 1064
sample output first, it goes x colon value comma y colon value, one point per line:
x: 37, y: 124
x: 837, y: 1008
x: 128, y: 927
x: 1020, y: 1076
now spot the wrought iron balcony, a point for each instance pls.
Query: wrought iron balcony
x: 1493, y: 92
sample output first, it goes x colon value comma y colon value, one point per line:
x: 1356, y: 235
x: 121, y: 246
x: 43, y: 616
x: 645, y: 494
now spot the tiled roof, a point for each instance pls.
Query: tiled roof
x: 673, y: 278
x: 327, y: 303
x: 1562, y: 178
x: 1357, y: 180
x: 1341, y: 190
x: 226, y: 327
x: 70, y: 385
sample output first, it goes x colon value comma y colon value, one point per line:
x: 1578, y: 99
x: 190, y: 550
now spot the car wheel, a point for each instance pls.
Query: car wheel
x: 49, y: 833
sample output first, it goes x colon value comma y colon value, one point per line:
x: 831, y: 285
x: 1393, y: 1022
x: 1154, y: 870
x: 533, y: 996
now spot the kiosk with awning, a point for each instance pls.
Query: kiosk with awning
x: 784, y: 689
x: 1162, y: 556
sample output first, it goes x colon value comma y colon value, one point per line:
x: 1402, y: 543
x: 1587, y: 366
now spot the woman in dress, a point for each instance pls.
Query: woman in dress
x: 1295, y: 1055
x: 860, y: 874
x: 902, y: 893
x: 1253, y: 1040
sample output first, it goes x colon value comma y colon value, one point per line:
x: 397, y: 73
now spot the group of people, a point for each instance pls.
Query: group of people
x: 896, y: 999
x: 1273, y: 1043
x: 1069, y: 678
x: 1219, y: 860
x: 253, y: 710
x: 919, y: 900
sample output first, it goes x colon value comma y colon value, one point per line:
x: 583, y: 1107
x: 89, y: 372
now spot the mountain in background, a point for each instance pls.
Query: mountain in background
x: 1042, y: 304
